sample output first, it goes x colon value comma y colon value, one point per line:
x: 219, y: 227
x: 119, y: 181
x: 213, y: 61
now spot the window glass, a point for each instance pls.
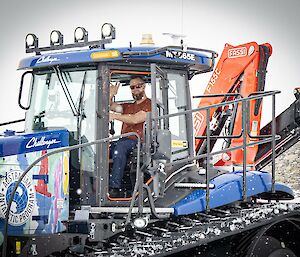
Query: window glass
x: 177, y: 103
x: 52, y: 108
x: 70, y: 106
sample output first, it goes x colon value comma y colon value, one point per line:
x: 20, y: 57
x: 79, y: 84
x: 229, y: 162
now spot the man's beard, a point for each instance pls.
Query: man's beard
x: 138, y: 97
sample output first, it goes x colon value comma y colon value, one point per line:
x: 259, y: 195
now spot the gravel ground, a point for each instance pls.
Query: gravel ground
x: 287, y: 168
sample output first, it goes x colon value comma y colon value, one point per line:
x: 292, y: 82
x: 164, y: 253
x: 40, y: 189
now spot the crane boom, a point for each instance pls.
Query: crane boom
x: 240, y: 72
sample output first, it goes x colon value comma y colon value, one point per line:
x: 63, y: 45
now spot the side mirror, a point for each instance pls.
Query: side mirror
x: 25, y: 91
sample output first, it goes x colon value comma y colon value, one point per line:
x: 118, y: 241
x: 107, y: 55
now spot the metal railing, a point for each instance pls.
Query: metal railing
x: 244, y: 101
x: 11, y: 122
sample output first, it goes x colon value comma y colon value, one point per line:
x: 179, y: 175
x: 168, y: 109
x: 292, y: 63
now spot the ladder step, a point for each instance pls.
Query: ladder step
x: 194, y: 185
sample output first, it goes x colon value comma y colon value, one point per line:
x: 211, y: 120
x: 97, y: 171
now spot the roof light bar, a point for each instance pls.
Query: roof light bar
x: 108, y: 33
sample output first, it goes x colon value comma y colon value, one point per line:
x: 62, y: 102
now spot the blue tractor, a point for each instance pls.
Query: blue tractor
x: 183, y: 191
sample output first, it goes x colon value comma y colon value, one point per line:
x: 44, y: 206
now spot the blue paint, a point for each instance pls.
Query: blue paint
x: 23, y: 162
x: 26, y: 143
x: 43, y: 218
x: 44, y: 204
x: 41, y: 177
x: 228, y: 189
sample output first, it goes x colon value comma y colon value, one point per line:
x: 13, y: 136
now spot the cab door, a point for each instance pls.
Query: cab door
x: 170, y: 136
x: 170, y: 97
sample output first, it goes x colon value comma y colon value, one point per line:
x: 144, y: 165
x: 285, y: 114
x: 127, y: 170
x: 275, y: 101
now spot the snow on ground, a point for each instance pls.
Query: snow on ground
x: 287, y: 169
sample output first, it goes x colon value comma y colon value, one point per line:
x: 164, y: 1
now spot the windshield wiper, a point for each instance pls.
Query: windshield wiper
x: 66, y: 91
x: 80, y: 104
x: 81, y: 115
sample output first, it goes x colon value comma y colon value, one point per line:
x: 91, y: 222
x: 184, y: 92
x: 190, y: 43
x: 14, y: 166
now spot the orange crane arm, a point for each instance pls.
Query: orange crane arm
x: 241, y: 69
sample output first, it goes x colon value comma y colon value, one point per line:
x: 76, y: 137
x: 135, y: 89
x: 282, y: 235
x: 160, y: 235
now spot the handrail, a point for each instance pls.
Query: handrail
x: 268, y: 93
x: 218, y: 95
x: 244, y: 132
x: 162, y: 49
x: 201, y: 156
x: 11, y: 122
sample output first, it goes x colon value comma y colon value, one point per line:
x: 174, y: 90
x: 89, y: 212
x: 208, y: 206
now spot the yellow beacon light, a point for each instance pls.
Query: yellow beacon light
x: 105, y: 54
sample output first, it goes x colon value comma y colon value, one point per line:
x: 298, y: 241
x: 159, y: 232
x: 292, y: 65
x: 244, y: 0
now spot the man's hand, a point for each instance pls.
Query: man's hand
x: 113, y: 89
x: 111, y: 116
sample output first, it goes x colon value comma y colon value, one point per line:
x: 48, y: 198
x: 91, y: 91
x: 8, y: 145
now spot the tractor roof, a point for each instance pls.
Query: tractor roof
x: 193, y: 59
x: 92, y: 52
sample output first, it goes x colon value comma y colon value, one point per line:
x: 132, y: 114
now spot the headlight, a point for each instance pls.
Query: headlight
x: 141, y: 222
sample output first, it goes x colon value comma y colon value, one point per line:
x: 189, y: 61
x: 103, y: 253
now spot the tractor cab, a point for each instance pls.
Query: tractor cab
x: 70, y: 90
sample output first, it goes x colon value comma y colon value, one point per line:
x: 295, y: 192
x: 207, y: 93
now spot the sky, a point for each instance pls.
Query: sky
x: 206, y: 24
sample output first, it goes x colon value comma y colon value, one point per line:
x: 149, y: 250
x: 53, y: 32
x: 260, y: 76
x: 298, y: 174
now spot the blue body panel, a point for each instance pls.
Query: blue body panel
x: 228, y: 189
x: 26, y: 143
x: 84, y: 56
x: 41, y: 203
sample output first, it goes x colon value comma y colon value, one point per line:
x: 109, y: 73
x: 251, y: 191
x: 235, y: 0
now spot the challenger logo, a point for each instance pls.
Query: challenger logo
x: 35, y: 142
x: 23, y: 201
x: 237, y: 52
x: 47, y: 59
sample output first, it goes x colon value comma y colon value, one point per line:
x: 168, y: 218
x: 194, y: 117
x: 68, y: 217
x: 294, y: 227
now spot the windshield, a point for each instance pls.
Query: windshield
x: 63, y: 98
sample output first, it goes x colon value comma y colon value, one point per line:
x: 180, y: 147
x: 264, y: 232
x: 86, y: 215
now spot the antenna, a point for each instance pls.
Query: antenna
x: 177, y: 39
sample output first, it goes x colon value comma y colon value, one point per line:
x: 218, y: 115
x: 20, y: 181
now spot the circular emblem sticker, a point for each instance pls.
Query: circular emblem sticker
x: 23, y: 201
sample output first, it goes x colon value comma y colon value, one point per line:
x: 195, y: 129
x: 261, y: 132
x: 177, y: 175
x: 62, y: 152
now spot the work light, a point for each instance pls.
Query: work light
x: 108, y: 30
x: 80, y: 35
x: 56, y: 38
x: 31, y: 41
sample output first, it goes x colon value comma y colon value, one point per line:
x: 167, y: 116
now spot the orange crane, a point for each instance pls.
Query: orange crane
x: 240, y: 71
